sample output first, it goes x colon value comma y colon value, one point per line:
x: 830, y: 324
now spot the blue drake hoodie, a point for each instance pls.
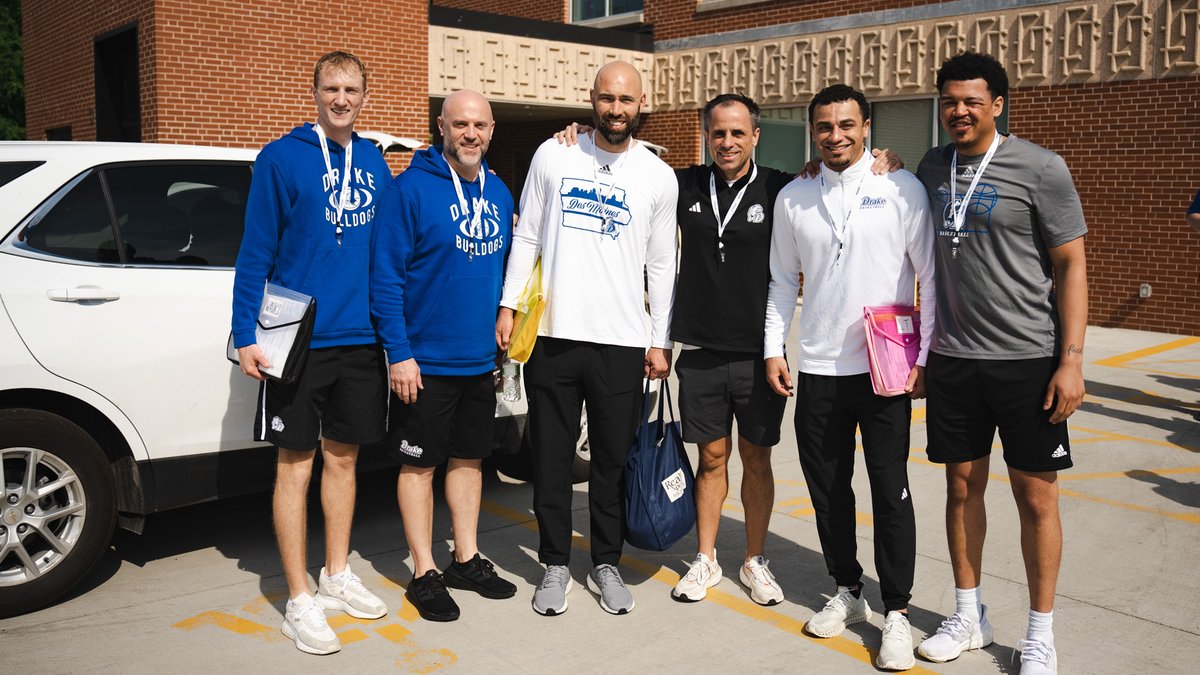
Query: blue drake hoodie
x: 435, y: 283
x: 290, y: 236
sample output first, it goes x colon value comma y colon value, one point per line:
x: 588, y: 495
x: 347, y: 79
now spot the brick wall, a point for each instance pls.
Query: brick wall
x: 678, y: 18
x: 225, y: 73
x: 558, y: 11
x: 1132, y: 149
x: 58, y: 38
x: 678, y: 131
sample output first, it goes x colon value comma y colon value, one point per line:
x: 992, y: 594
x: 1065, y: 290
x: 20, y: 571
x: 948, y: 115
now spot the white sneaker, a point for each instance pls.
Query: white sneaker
x: 345, y: 591
x: 842, y: 610
x: 702, y: 575
x: 1038, y: 657
x: 304, y: 622
x: 896, y: 649
x: 763, y: 588
x: 956, y: 635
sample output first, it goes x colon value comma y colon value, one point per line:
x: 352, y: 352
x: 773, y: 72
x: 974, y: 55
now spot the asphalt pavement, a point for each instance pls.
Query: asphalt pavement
x: 201, y: 589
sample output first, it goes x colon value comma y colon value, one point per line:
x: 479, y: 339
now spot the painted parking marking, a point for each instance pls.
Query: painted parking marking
x: 1122, y: 360
x: 233, y: 624
x: 414, y: 658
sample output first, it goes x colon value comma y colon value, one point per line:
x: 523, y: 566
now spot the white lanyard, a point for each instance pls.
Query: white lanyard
x: 344, y: 193
x: 840, y: 233
x: 606, y: 221
x: 464, y: 203
x: 959, y: 211
x: 723, y: 222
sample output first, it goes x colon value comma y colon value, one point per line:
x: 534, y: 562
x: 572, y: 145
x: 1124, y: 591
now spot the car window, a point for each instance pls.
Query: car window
x: 180, y: 214
x: 10, y: 171
x: 78, y: 225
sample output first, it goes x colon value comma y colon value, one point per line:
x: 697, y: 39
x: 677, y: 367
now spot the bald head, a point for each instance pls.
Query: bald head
x: 615, y: 72
x: 617, y: 101
x: 465, y: 99
x: 466, y: 124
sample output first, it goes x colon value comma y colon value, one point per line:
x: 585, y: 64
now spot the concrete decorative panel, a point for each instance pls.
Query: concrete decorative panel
x: 508, y: 68
x: 1062, y: 43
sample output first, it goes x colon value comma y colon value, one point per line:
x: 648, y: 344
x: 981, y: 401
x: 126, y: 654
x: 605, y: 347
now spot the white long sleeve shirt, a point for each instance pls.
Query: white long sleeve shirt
x: 592, y: 268
x: 886, y: 243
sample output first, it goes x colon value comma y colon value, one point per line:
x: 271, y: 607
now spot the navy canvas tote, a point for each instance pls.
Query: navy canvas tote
x: 660, y: 500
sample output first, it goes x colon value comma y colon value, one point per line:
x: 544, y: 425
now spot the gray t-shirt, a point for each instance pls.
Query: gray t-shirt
x: 995, y: 300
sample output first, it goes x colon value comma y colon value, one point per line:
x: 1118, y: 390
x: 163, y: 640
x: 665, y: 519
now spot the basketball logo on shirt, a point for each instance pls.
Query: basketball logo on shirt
x: 583, y: 209
x: 979, y: 212
x: 755, y: 214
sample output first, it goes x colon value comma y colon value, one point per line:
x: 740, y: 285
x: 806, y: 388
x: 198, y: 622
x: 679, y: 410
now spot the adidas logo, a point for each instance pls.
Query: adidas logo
x: 904, y: 494
x: 606, y: 169
x: 1060, y: 452
x: 695, y: 208
x: 969, y: 172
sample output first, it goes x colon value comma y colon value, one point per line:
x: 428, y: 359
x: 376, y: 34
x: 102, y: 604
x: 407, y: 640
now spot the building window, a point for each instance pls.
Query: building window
x: 587, y: 10
x: 908, y: 127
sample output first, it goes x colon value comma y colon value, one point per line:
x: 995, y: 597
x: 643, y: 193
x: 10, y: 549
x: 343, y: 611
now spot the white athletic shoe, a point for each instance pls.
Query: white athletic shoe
x: 842, y: 610
x: 703, y: 573
x: 304, y: 622
x: 1038, y: 657
x: 345, y: 591
x: 896, y: 649
x: 758, y: 578
x: 956, y: 635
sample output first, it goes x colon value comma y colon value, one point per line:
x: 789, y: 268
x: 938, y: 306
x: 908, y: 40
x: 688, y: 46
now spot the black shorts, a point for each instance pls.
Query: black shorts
x: 341, y: 394
x: 453, y: 416
x: 969, y: 399
x: 715, y: 387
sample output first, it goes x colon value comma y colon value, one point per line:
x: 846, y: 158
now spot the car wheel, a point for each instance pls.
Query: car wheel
x: 519, y: 465
x: 57, y: 511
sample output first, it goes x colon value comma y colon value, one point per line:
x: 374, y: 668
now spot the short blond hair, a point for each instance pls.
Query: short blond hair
x: 342, y: 61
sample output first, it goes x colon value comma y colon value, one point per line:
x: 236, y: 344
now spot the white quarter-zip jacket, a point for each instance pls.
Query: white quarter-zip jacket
x: 886, y: 246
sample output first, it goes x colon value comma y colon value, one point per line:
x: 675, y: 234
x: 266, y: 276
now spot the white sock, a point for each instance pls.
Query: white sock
x: 1041, y: 626
x: 967, y: 602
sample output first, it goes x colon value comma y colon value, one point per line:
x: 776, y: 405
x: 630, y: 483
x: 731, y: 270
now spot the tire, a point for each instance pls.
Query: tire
x: 519, y: 465
x: 79, y: 515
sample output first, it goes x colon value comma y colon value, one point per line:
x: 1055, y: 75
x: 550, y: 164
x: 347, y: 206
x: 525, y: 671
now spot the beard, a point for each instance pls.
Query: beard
x: 456, y: 151
x: 613, y: 137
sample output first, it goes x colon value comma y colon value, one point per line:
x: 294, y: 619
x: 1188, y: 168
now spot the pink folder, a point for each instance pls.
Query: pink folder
x: 893, y: 343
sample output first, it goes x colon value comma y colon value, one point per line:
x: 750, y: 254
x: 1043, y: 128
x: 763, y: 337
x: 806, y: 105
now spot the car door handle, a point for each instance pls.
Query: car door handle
x: 82, y: 293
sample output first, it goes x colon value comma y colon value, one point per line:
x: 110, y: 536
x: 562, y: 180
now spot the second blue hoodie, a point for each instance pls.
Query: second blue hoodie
x: 435, y: 281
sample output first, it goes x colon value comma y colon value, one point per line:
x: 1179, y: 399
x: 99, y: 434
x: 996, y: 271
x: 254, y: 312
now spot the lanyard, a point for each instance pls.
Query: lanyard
x: 344, y: 193
x: 840, y: 233
x: 723, y: 222
x: 464, y: 203
x: 606, y: 221
x: 959, y: 211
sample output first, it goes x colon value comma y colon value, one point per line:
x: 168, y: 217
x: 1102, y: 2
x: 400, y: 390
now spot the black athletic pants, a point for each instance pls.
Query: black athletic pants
x: 827, y: 410
x: 560, y: 376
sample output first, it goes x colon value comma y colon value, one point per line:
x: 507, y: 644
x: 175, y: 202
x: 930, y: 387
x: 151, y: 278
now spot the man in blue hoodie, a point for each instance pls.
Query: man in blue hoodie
x: 437, y: 268
x: 308, y: 228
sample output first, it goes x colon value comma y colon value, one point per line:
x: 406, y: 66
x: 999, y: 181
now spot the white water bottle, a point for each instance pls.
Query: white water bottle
x: 510, y: 379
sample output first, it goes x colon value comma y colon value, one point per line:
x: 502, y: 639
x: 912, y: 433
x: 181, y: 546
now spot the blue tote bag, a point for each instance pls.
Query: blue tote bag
x: 660, y: 499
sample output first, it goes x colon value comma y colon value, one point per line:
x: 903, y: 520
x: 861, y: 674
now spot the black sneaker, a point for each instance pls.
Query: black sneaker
x: 429, y: 595
x: 479, y: 575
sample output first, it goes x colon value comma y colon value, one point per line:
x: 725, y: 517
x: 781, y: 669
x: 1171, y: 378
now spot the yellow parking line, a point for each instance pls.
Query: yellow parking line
x: 234, y: 624
x: 1185, y: 517
x: 394, y: 632
x: 1120, y: 360
x: 667, y: 577
x: 1123, y: 474
x: 1112, y: 435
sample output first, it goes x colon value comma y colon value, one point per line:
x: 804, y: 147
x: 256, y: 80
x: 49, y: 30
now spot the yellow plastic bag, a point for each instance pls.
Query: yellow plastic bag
x: 529, y: 317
